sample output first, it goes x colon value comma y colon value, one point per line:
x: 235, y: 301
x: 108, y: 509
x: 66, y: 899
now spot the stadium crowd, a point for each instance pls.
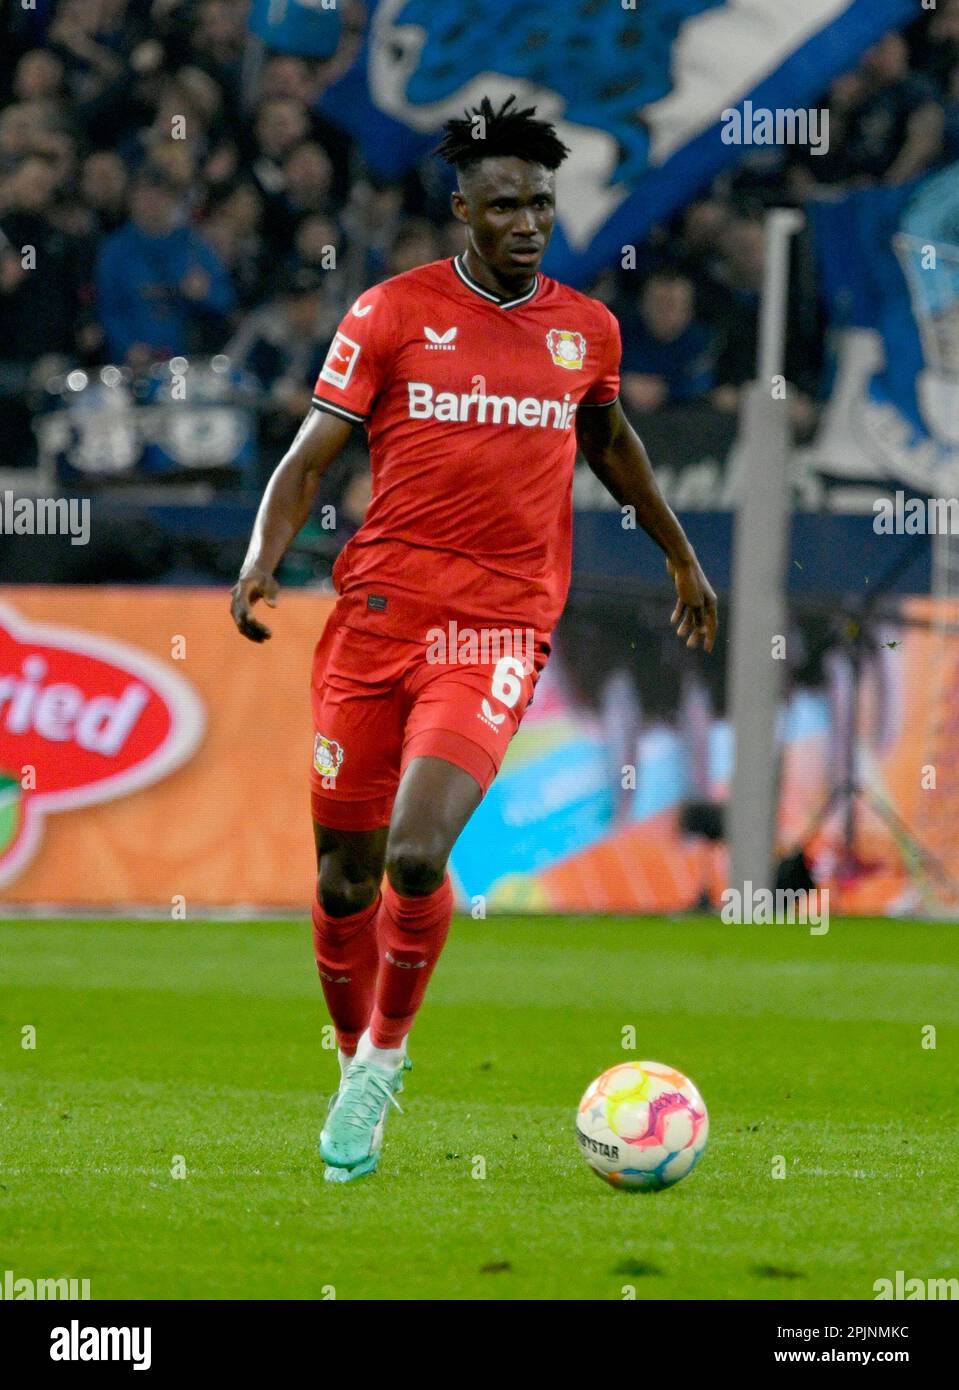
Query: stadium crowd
x: 186, y: 194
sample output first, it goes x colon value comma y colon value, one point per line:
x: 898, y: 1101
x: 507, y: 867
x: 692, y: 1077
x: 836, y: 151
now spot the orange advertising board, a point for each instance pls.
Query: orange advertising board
x: 149, y: 752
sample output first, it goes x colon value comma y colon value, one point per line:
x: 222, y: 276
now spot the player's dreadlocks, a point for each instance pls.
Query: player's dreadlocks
x: 483, y: 133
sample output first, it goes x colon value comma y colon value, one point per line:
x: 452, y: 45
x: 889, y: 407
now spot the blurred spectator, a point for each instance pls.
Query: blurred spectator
x: 162, y: 290
x: 301, y: 81
x: 44, y: 273
x: 737, y: 285
x: 414, y: 244
x: 283, y: 346
x: 40, y: 76
x: 287, y: 77
x: 696, y: 250
x: 45, y: 295
x: 280, y: 125
x: 886, y: 123
x: 318, y: 243
x: 234, y: 230
x: 187, y: 116
x: 896, y: 130
x: 937, y: 43
x: 320, y: 246
x: 124, y: 104
x: 28, y: 128
x: 103, y: 185
x: 57, y: 149
x: 668, y: 357
x: 307, y: 175
x: 217, y: 38
x: 89, y: 38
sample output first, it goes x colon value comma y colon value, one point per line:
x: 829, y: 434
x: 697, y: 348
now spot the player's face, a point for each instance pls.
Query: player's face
x: 509, y: 207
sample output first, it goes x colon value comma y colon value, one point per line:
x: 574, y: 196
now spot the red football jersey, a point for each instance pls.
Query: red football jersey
x: 470, y: 407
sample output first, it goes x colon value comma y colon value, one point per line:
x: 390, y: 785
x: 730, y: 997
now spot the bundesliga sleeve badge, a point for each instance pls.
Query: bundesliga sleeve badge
x: 566, y: 349
x: 340, y: 360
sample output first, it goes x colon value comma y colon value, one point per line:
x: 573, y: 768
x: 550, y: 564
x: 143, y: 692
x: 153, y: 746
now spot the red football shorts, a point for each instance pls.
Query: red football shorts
x: 378, y: 702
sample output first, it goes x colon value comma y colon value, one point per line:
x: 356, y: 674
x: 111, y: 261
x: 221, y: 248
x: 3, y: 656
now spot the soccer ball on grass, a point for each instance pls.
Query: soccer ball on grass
x: 642, y: 1126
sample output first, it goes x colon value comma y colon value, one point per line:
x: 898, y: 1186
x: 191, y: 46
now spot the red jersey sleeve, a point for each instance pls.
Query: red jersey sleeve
x: 604, y: 389
x: 358, y: 362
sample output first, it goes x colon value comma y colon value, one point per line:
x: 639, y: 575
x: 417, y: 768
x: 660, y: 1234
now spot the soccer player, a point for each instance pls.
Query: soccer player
x: 476, y: 378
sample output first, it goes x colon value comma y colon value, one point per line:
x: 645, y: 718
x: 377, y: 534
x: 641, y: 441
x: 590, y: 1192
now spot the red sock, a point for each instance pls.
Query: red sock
x: 347, y: 959
x: 411, y: 933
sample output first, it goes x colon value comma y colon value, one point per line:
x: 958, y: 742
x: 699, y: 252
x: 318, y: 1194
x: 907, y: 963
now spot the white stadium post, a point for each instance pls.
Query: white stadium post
x: 758, y: 579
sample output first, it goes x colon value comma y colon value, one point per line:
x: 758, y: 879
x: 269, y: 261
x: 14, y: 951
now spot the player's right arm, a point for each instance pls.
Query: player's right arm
x: 285, y: 507
x: 356, y: 369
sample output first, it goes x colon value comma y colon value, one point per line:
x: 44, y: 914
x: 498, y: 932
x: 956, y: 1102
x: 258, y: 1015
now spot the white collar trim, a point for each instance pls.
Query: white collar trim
x: 472, y: 284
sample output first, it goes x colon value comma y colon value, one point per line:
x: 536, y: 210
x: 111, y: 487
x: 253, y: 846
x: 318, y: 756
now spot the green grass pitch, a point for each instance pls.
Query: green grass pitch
x: 203, y: 1041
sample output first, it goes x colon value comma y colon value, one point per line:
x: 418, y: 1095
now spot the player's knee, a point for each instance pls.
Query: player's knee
x: 415, y: 869
x: 341, y: 896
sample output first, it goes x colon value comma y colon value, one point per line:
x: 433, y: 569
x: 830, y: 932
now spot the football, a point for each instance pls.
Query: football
x: 642, y: 1126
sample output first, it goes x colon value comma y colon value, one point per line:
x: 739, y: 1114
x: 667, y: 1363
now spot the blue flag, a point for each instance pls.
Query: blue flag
x: 888, y: 261
x: 642, y: 91
x: 303, y: 28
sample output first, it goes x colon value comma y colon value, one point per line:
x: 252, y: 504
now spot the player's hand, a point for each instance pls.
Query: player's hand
x: 695, y: 616
x: 252, y: 585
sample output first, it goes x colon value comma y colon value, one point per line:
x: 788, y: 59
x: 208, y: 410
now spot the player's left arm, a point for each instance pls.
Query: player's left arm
x: 616, y: 455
